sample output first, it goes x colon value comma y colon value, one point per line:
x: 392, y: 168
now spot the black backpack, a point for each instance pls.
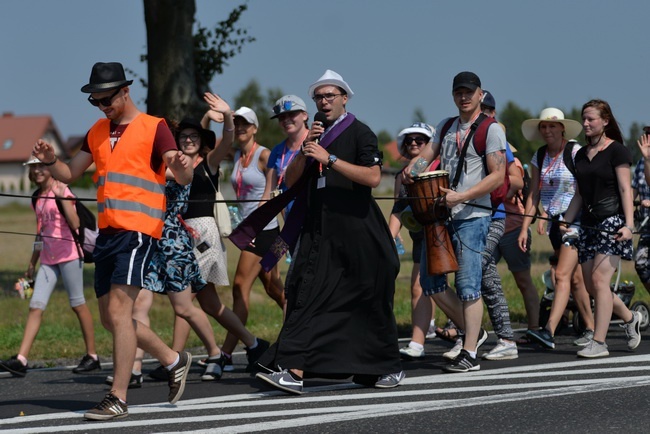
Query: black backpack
x: 567, y: 156
x: 86, y: 235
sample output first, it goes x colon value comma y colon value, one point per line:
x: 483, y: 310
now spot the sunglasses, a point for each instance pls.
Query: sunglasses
x: 284, y: 107
x: 329, y: 97
x: 193, y: 137
x: 418, y: 141
x: 106, y: 101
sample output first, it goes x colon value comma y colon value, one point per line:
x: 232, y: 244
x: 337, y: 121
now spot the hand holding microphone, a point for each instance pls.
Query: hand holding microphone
x: 311, y: 147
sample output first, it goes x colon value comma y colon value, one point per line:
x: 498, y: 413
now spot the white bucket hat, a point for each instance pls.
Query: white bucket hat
x: 248, y: 115
x: 530, y: 127
x: 332, y: 78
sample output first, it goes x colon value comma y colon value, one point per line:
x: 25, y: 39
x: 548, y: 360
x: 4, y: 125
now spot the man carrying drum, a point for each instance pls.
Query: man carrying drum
x: 470, y: 210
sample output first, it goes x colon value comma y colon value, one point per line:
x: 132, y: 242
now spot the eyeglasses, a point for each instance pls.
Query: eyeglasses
x: 329, y: 97
x: 284, y: 107
x: 193, y: 137
x: 106, y: 101
x: 418, y: 141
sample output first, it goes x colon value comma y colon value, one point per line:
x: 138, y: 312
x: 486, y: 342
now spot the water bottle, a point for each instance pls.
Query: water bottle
x: 571, y: 236
x: 419, y: 166
x: 400, y: 246
x: 235, y: 216
x: 288, y: 260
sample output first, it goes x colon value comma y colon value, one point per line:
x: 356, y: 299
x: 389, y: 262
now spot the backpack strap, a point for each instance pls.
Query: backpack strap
x: 568, y: 157
x: 463, y: 152
x: 35, y: 196
x: 75, y: 234
x: 541, y: 153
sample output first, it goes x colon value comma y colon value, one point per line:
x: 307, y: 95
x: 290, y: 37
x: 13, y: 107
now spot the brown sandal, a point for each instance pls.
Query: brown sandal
x: 449, y: 334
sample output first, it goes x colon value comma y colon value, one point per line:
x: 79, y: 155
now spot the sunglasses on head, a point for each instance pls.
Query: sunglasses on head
x: 106, y: 101
x: 418, y: 140
x: 284, y: 107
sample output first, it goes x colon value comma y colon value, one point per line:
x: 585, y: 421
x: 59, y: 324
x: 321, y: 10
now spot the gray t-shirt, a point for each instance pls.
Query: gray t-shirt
x: 474, y: 170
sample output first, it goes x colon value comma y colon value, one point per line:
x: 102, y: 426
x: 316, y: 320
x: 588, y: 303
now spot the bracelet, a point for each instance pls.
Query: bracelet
x: 630, y: 228
x: 52, y: 162
x: 228, y: 130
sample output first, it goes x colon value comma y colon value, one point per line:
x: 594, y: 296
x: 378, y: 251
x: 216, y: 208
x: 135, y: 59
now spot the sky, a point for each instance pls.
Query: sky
x: 397, y: 56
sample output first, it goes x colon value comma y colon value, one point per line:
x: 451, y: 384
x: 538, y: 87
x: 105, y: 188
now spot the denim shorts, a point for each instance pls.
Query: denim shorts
x: 468, y: 239
x: 121, y: 259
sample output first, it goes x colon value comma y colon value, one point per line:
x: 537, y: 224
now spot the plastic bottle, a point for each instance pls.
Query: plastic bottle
x: 235, y: 216
x: 400, y: 246
x: 419, y: 166
x: 571, y: 236
x: 288, y: 260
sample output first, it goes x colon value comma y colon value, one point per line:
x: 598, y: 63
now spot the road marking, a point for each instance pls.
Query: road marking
x: 310, y: 416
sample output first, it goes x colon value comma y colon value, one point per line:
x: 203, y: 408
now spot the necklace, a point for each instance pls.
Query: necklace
x: 551, y: 165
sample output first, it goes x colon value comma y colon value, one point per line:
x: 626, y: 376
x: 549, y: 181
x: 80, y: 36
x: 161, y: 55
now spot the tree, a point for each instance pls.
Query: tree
x: 512, y: 116
x: 182, y: 64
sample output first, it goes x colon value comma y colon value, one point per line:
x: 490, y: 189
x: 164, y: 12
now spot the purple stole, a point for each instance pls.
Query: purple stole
x: 247, y: 230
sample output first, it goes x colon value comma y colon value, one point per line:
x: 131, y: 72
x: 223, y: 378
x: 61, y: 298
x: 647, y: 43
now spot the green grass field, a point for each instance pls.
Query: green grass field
x: 60, y: 335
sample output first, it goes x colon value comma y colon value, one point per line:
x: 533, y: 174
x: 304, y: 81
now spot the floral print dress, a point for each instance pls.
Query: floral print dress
x: 173, y: 266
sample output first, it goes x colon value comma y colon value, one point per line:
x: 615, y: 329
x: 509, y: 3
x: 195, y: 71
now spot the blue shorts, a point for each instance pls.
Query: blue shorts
x: 122, y: 259
x: 468, y: 238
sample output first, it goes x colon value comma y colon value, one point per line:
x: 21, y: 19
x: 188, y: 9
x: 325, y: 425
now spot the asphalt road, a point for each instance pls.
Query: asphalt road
x: 541, y: 391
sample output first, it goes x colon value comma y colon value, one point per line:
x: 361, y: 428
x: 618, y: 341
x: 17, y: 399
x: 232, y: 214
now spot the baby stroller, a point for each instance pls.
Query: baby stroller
x: 624, y: 290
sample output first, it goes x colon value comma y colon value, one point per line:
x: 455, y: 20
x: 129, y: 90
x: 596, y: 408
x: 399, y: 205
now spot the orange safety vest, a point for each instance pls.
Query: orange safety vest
x: 130, y: 195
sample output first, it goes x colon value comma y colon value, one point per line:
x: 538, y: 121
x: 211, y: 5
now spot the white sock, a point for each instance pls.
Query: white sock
x: 254, y: 345
x: 22, y: 359
x: 432, y: 324
x: 170, y: 367
x: 416, y: 346
x: 472, y: 353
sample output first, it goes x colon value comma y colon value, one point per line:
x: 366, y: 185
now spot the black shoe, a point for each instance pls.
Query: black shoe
x: 543, y: 337
x: 109, y: 408
x: 463, y: 363
x: 14, y: 366
x: 134, y: 383
x: 178, y: 375
x: 159, y: 374
x: 365, y: 380
x: 87, y: 364
x: 254, y: 354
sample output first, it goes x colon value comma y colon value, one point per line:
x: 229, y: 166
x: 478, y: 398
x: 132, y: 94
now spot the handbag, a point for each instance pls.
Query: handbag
x: 220, y: 211
x: 604, y: 208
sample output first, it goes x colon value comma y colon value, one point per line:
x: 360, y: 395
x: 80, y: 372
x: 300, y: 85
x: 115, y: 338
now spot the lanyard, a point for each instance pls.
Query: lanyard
x: 458, y: 139
x: 550, y: 166
x: 242, y: 166
x: 292, y: 154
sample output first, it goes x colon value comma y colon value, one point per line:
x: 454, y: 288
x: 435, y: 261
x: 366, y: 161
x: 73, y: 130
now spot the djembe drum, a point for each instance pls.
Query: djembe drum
x: 427, y: 203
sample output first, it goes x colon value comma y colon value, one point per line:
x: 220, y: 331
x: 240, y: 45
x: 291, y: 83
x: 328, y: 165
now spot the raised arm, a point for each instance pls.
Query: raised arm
x: 66, y: 173
x: 219, y: 112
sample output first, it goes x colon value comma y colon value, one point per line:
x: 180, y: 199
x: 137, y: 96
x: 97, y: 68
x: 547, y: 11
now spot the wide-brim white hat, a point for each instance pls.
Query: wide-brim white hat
x: 330, y: 78
x: 31, y: 161
x: 530, y: 127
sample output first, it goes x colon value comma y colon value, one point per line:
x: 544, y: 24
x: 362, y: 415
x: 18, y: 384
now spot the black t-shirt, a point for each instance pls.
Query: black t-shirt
x: 597, y: 178
x: 202, y: 190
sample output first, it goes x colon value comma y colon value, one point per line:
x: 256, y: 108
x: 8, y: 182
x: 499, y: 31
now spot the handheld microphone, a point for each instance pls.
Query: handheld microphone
x: 322, y: 118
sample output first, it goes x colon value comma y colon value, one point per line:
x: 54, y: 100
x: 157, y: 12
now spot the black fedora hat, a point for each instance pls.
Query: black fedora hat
x: 106, y: 76
x: 208, y: 137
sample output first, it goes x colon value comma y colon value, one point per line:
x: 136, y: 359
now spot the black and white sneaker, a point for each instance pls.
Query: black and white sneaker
x: 463, y: 363
x: 110, y: 408
x: 282, y: 380
x: 87, y: 364
x: 178, y: 376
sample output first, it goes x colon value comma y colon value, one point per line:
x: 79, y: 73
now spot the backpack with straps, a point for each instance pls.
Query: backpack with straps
x: 86, y: 235
x: 567, y: 156
x: 478, y: 130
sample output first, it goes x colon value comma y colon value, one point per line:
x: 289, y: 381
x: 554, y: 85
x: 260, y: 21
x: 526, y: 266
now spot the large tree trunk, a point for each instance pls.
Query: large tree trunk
x: 172, y: 91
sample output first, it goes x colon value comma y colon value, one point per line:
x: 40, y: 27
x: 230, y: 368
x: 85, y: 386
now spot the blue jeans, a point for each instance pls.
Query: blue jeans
x: 468, y: 239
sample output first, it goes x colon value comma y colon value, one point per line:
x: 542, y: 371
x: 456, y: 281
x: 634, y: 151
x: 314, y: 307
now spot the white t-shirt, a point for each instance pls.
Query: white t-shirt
x: 474, y: 170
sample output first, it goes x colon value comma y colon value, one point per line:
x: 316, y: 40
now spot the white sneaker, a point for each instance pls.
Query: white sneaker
x: 431, y: 333
x: 409, y: 352
x: 455, y: 351
x: 505, y: 350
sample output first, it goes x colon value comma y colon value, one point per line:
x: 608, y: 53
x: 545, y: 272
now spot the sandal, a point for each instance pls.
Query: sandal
x: 524, y: 339
x: 449, y: 333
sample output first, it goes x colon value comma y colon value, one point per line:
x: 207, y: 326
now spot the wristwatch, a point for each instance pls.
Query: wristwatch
x: 331, y: 160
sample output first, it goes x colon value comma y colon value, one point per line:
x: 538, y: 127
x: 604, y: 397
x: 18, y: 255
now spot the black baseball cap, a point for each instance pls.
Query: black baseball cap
x: 466, y: 79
